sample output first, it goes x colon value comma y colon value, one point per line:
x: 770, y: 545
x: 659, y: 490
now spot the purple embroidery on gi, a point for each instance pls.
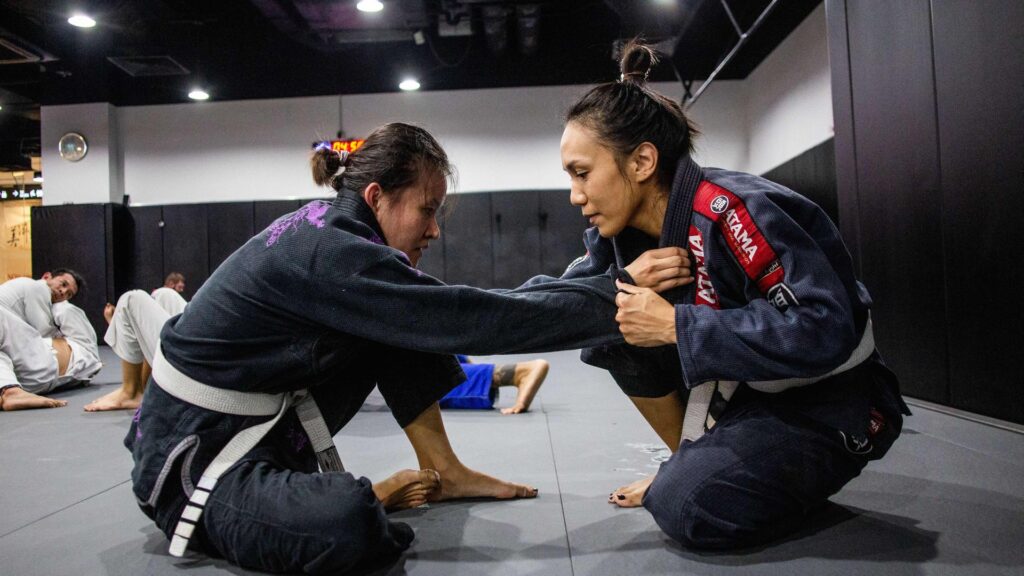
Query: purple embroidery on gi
x: 135, y: 420
x: 312, y: 213
x: 298, y: 438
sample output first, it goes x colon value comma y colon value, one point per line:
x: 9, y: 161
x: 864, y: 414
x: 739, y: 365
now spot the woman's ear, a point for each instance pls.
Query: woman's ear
x: 645, y: 161
x: 372, y: 194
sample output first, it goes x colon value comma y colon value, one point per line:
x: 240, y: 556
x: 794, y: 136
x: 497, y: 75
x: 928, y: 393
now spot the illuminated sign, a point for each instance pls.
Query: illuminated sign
x: 350, y: 145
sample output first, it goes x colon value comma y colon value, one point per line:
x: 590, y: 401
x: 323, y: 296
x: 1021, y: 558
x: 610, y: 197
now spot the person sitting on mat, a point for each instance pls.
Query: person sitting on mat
x: 132, y: 334
x: 31, y: 365
x: 480, y: 389
x: 763, y: 378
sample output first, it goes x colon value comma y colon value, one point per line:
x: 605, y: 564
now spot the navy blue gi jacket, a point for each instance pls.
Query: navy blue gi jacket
x: 775, y: 297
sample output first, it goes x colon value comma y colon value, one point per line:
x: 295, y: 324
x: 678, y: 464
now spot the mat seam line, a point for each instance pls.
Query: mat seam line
x: 561, y: 501
x: 37, y: 520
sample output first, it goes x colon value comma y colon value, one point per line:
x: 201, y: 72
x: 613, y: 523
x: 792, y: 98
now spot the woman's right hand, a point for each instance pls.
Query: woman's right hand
x: 661, y: 269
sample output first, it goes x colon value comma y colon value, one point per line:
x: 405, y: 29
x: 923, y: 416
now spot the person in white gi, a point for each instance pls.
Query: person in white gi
x: 32, y: 365
x: 32, y: 300
x: 135, y: 324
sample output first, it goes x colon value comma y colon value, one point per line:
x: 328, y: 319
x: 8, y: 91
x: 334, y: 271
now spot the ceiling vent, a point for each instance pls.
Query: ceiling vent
x: 148, y: 66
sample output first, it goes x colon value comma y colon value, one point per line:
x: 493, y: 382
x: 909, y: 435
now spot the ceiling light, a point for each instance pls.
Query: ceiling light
x: 37, y: 177
x: 197, y: 94
x: 409, y: 84
x: 369, y: 6
x: 81, y: 21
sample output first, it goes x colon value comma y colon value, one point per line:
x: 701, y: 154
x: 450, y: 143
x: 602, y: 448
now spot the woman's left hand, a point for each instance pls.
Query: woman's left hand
x: 645, y: 319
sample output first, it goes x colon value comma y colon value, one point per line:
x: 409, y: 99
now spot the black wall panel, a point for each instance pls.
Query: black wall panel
x: 147, y: 248
x: 847, y: 197
x: 229, y: 225
x: 561, y: 232
x: 979, y: 82
x: 899, y: 199
x: 813, y: 175
x: 264, y: 213
x: 76, y: 236
x: 515, y: 228
x: 467, y: 242
x: 186, y: 245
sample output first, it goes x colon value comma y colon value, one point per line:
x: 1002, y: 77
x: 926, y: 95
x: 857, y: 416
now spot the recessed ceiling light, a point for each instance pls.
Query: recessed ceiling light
x: 197, y: 94
x: 369, y: 6
x: 409, y: 84
x: 81, y: 21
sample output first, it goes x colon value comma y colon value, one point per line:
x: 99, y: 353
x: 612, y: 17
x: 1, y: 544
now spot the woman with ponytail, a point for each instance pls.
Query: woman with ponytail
x: 280, y: 347
x: 761, y: 376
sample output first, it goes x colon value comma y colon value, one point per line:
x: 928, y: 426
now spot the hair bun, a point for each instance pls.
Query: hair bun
x: 636, y: 62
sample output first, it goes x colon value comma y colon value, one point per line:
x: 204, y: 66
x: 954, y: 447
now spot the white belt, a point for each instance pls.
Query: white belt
x: 697, y: 419
x: 238, y: 403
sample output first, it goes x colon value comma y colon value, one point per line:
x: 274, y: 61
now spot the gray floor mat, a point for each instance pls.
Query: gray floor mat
x: 947, y: 500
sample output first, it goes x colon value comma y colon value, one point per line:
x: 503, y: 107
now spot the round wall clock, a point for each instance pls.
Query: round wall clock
x: 72, y: 147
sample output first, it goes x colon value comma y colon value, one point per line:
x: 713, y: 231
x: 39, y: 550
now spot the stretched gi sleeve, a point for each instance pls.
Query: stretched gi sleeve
x: 38, y: 308
x: 392, y: 303
x: 798, y: 320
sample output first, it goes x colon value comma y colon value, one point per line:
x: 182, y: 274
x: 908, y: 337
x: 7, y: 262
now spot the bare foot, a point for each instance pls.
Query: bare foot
x: 119, y: 399
x: 15, y: 398
x: 529, y: 376
x: 108, y: 312
x: 462, y: 482
x: 406, y: 489
x: 632, y: 495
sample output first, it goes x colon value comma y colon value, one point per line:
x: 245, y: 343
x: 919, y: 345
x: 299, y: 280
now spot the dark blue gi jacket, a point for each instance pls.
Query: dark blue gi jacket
x: 310, y: 302
x: 775, y: 297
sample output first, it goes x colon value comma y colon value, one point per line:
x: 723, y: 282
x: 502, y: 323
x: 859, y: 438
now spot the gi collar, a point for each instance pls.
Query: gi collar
x: 350, y: 203
x: 675, y: 229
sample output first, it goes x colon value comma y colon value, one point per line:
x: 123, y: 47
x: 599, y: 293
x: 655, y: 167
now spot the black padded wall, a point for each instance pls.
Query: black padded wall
x: 813, y: 175
x: 561, y: 232
x: 515, y: 229
x: 468, y: 256
x: 929, y: 147
x: 186, y: 244
x: 228, y: 226
x: 147, y: 248
x: 979, y: 91
x: 77, y: 236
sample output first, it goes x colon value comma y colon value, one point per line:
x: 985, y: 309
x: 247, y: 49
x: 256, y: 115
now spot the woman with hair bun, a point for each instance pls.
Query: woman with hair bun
x: 763, y: 377
x: 280, y: 347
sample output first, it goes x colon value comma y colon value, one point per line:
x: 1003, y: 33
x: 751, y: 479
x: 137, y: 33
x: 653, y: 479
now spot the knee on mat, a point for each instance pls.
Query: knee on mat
x: 694, y: 517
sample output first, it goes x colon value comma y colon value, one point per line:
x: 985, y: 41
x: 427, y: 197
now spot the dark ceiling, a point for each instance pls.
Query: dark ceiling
x: 242, y: 49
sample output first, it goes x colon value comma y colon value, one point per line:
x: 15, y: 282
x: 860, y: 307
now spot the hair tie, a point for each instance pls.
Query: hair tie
x: 622, y: 77
x: 342, y: 157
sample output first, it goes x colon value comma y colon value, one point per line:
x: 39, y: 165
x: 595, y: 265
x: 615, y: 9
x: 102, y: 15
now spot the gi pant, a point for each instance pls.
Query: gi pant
x: 134, y: 330
x: 273, y: 511
x: 765, y: 465
x: 26, y: 359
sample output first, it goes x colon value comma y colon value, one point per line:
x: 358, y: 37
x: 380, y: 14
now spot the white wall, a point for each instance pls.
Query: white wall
x: 88, y: 180
x: 790, y: 97
x: 223, y: 151
x: 503, y: 139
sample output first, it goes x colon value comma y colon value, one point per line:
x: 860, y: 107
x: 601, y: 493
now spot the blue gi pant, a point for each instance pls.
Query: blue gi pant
x: 756, y: 474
